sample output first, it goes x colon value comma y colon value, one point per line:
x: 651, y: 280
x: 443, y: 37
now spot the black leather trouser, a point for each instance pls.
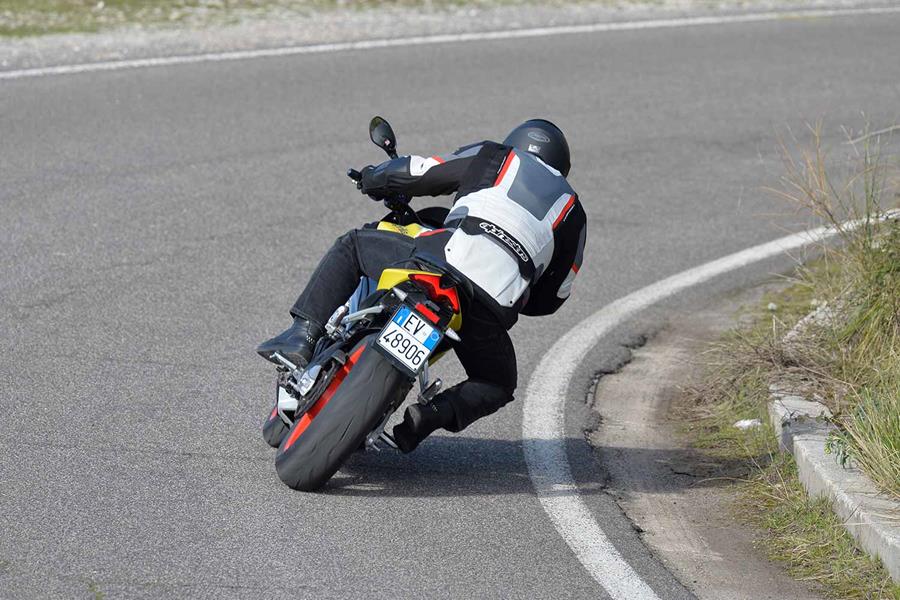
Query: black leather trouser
x: 359, y: 252
x: 489, y: 358
x: 486, y: 352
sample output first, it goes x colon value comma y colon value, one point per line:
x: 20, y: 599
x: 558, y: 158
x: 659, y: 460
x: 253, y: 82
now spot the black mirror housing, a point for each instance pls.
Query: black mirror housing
x: 382, y: 135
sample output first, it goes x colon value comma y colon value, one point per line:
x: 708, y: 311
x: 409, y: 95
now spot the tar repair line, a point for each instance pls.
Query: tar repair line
x: 543, y: 422
x: 443, y: 39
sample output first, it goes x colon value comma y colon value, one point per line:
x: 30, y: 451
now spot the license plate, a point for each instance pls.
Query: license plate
x: 409, y: 338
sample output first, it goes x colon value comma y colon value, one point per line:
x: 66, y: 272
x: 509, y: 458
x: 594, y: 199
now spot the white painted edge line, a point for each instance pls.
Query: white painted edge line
x: 543, y: 421
x: 138, y: 63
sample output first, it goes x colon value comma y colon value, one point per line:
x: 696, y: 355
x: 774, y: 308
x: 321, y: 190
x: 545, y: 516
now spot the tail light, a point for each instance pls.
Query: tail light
x: 432, y: 285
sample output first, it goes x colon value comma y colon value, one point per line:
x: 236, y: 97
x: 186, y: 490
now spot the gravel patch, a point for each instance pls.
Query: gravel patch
x: 289, y: 27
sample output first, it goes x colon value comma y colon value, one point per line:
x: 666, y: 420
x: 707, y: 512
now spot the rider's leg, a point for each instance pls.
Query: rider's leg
x: 488, y: 356
x: 358, y: 252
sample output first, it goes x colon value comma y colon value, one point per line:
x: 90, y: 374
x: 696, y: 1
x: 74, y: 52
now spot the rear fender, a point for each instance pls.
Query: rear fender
x: 393, y: 277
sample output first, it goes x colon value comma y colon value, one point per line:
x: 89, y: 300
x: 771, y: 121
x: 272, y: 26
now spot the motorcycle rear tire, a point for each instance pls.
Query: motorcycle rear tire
x: 308, y: 458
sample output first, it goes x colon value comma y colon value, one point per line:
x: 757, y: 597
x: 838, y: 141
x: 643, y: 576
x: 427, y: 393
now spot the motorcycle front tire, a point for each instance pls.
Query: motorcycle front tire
x: 274, y: 429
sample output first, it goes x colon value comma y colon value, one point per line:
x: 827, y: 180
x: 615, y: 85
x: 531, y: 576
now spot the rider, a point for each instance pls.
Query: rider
x: 516, y: 231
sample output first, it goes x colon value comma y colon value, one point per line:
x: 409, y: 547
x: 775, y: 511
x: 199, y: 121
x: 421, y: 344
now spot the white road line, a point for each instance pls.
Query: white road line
x: 543, y: 423
x: 139, y: 63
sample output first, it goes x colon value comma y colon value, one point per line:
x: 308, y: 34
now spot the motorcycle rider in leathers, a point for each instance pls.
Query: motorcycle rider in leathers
x: 516, y: 231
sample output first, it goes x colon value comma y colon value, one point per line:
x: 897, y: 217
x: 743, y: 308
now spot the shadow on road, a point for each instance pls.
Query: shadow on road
x: 466, y: 466
x: 443, y: 465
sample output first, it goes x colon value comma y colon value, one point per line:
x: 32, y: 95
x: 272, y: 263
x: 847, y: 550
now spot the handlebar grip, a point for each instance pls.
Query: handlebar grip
x: 354, y: 175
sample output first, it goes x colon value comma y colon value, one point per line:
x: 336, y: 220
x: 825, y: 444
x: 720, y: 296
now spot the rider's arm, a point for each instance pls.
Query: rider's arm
x: 418, y: 176
x: 555, y: 283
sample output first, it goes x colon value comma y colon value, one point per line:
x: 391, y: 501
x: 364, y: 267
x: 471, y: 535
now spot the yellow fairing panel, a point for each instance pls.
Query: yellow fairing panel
x: 393, y: 277
x: 411, y: 230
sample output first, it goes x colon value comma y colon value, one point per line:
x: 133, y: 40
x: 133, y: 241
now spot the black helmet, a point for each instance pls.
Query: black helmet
x: 544, y: 139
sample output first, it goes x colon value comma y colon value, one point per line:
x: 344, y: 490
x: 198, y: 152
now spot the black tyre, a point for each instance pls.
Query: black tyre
x: 337, y: 424
x: 274, y: 430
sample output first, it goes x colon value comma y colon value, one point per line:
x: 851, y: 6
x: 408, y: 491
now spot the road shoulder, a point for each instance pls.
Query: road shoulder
x: 682, y: 502
x: 281, y: 28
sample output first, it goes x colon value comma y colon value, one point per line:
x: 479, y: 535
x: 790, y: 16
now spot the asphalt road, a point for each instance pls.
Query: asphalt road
x: 157, y: 223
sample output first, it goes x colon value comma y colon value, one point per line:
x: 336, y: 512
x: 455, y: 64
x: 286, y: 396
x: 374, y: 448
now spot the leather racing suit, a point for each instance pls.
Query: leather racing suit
x: 516, y: 231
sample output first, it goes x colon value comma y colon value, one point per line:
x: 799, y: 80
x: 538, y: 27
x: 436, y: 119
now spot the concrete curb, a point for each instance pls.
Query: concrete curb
x: 871, y: 517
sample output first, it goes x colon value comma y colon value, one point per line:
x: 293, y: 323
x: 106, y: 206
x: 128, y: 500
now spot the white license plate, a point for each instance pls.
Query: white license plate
x: 409, y: 338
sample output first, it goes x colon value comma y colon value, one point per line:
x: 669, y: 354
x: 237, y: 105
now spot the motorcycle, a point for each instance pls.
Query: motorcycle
x: 376, y: 347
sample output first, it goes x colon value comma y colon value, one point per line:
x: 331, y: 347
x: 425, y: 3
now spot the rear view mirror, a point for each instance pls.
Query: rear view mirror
x: 383, y: 136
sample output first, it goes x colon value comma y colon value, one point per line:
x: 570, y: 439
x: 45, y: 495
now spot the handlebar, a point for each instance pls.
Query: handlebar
x: 397, y: 204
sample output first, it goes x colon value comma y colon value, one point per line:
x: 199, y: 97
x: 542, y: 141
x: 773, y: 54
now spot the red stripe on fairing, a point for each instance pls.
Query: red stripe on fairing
x: 439, y: 160
x: 575, y: 268
x: 509, y: 159
x: 274, y: 413
x: 432, y: 232
x: 565, y: 211
x: 316, y: 408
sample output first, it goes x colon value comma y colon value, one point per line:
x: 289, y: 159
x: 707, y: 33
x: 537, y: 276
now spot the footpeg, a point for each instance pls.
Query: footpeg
x: 372, y: 441
x: 426, y: 395
x: 389, y: 440
x: 290, y: 366
x: 378, y: 434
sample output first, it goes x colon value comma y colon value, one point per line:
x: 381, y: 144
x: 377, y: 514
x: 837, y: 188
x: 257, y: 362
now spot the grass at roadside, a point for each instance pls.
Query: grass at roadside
x: 22, y: 18
x: 803, y: 534
x: 849, y: 359
x: 809, y: 538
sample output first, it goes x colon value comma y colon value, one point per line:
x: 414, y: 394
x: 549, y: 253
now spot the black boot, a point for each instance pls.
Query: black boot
x: 420, y: 421
x: 296, y: 343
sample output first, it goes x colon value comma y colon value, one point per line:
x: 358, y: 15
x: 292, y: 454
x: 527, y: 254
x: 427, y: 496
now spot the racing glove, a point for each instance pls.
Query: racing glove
x: 372, y: 183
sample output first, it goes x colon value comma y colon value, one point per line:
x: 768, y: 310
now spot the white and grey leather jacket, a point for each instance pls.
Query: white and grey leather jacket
x: 516, y: 230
